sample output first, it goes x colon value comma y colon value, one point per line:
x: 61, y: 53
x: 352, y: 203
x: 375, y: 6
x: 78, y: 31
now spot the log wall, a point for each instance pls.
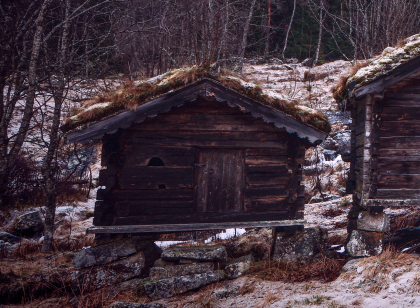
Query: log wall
x: 265, y: 171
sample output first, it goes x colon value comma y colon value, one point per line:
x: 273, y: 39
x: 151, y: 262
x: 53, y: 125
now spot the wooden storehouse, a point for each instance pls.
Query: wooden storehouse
x: 384, y: 100
x: 202, y: 156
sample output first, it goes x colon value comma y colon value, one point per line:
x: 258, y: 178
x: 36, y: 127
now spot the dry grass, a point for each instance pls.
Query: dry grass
x: 130, y: 96
x: 324, y: 269
x: 308, y: 76
x: 267, y: 300
x: 409, y: 219
x: 336, y: 239
x: 339, y: 90
x: 340, y: 224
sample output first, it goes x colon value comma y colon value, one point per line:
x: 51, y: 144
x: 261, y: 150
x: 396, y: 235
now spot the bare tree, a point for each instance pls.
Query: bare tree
x: 289, y: 27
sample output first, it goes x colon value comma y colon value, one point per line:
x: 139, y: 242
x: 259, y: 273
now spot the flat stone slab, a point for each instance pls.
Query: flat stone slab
x: 199, y: 253
x: 166, y: 288
x: 373, y: 222
x: 365, y: 243
x: 157, y: 273
x: 105, y: 253
x: 102, y: 276
x: 302, y: 246
x: 238, y: 267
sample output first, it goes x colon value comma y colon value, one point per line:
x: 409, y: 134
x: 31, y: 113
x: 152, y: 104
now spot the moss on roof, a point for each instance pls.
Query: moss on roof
x: 387, y: 61
x: 133, y: 94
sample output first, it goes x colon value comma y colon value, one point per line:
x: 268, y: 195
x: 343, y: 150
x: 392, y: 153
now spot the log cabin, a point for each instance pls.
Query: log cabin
x: 211, y: 152
x: 384, y: 100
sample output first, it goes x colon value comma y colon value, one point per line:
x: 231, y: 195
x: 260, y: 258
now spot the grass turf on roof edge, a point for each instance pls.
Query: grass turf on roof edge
x: 130, y: 95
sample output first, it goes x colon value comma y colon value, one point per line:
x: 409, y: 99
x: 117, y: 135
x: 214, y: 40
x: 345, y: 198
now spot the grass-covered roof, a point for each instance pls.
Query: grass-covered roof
x: 369, y: 71
x: 133, y: 94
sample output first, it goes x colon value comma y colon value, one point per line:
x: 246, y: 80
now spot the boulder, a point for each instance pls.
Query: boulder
x: 166, y: 288
x: 365, y: 244
x: 373, y: 222
x: 238, y: 267
x: 6, y: 248
x: 308, y: 62
x: 136, y: 305
x: 161, y: 263
x: 9, y: 238
x: 225, y: 293
x: 28, y: 224
x: 105, y: 253
x: 199, y: 253
x: 157, y: 273
x: 329, y: 155
x: 106, y: 275
x: 302, y: 246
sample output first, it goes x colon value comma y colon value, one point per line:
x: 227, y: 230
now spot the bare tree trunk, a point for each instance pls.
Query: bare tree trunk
x: 267, y: 37
x: 245, y: 37
x: 49, y: 170
x: 288, y: 30
x: 318, y: 47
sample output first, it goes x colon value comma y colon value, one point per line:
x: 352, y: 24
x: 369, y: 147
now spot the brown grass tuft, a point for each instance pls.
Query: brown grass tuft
x: 332, y: 212
x: 324, y: 269
x: 336, y: 240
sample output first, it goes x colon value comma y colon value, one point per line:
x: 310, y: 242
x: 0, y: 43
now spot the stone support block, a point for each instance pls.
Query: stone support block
x: 365, y: 244
x: 207, y: 253
x: 373, y: 222
x: 157, y: 273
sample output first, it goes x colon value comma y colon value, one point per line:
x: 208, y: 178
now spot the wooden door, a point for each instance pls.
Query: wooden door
x: 219, y: 180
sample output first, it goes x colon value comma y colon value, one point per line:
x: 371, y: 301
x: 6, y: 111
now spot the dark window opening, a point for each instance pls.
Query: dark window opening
x: 156, y: 162
x: 162, y: 186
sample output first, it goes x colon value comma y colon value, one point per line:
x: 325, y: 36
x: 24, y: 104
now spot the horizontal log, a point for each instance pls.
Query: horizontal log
x: 191, y: 227
x: 398, y: 194
x: 203, y: 106
x: 399, y: 128
x: 264, y: 205
x: 397, y: 168
x: 266, y: 160
x: 266, y: 192
x: 266, y: 152
x: 138, y: 156
x: 399, y: 142
x: 152, y: 207
x: 266, y: 179
x: 391, y: 202
x: 167, y: 195
x: 399, y: 155
x: 206, y: 139
x: 202, y: 218
x: 266, y: 169
x: 398, y: 181
x: 153, y: 177
x: 401, y: 114
x: 403, y: 96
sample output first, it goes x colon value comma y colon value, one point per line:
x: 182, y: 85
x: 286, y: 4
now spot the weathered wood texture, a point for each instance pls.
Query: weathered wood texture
x: 391, y: 149
x: 219, y: 164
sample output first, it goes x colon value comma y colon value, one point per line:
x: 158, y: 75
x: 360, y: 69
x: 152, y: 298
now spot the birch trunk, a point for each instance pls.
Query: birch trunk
x: 245, y: 37
x: 288, y: 30
x: 318, y: 47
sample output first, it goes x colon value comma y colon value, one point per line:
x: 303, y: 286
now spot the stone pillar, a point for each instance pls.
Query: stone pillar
x: 368, y: 238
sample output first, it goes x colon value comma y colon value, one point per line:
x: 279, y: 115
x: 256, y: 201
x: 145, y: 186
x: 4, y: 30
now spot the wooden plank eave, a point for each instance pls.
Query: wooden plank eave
x: 167, y: 228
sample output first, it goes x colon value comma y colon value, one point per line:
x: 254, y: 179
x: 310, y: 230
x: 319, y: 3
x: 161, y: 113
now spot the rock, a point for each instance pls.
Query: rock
x: 275, y: 61
x: 292, y: 61
x: 166, y: 288
x: 328, y: 144
x: 288, y: 67
x: 101, y: 276
x: 373, y: 222
x: 28, y: 224
x: 151, y: 251
x: 161, y: 263
x: 6, y: 248
x: 308, y: 62
x: 342, y: 141
x: 105, y: 253
x: 136, y: 305
x: 329, y: 155
x: 350, y: 266
x: 225, y: 293
x: 187, y: 261
x: 365, y: 244
x: 199, y: 253
x: 9, y: 238
x: 157, y: 273
x: 302, y: 246
x: 238, y: 267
